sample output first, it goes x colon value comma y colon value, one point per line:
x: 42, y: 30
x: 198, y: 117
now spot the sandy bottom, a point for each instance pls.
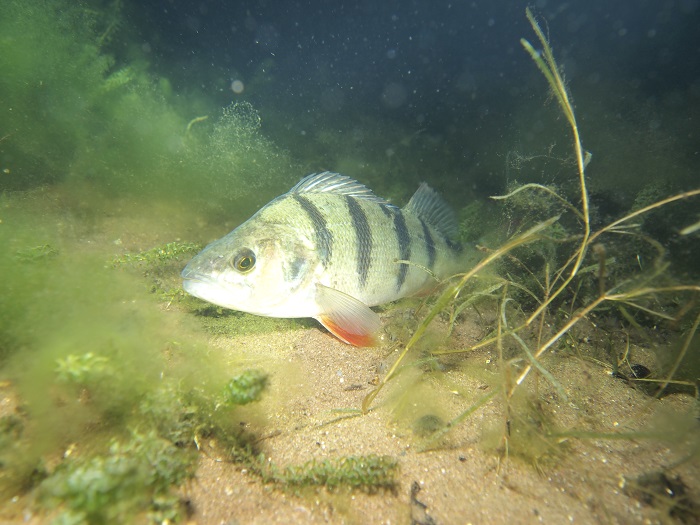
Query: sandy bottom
x: 463, y: 480
x: 311, y: 411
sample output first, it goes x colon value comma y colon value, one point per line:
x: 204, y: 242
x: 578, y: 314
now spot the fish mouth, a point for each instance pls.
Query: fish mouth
x: 194, y: 282
x: 190, y: 283
x: 209, y: 290
x: 201, y: 287
x: 192, y: 279
x: 189, y: 274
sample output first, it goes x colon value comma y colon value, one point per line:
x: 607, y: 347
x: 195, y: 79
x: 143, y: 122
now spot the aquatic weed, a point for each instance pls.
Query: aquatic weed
x: 369, y: 473
x: 366, y: 473
x: 133, y: 476
x: 162, y: 265
x: 160, y: 255
x: 81, y: 369
x: 548, y: 290
x: 246, y: 387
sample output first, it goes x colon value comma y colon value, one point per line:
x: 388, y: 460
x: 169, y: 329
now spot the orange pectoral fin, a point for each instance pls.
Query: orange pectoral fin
x: 350, y: 337
x: 347, y: 318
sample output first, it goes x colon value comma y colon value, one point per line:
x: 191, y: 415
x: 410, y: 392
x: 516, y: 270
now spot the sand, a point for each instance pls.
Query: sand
x: 464, y: 480
x: 311, y: 411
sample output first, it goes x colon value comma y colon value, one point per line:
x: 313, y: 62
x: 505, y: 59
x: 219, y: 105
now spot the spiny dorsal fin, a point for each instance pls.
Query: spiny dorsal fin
x: 329, y: 182
x: 430, y: 207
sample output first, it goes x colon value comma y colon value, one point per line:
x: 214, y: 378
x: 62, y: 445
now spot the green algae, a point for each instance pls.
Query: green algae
x: 160, y: 255
x: 75, y: 116
x: 72, y: 347
x: 134, y: 475
x: 370, y: 473
x: 246, y: 387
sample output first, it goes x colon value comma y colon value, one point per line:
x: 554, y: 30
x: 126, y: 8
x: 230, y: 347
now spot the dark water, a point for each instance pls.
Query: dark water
x: 454, y: 70
x: 421, y: 63
x: 391, y: 93
x: 394, y: 93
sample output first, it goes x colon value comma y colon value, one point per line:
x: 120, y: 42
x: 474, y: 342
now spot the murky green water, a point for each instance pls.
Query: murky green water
x: 112, y: 178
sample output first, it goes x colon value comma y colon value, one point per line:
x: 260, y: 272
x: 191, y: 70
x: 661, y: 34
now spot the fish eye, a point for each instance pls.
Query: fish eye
x: 244, y: 261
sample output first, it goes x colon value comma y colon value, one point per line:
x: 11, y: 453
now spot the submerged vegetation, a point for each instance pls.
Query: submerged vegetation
x: 554, y: 276
x: 61, y: 84
x: 106, y: 394
x: 112, y: 390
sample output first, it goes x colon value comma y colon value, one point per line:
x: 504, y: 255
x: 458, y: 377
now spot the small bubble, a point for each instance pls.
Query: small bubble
x: 237, y: 87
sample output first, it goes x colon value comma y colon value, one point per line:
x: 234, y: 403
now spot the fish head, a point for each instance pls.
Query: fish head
x: 261, y: 271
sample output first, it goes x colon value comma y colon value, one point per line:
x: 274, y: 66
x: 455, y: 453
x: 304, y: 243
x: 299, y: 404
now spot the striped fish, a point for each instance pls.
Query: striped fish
x: 329, y: 249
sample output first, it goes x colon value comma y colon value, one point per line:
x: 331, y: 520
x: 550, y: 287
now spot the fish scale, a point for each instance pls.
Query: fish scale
x: 329, y: 249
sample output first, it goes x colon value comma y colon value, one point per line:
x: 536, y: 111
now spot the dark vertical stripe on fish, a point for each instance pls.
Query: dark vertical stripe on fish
x: 430, y: 245
x: 388, y: 209
x: 363, y: 234
x: 324, y: 238
x: 404, y: 240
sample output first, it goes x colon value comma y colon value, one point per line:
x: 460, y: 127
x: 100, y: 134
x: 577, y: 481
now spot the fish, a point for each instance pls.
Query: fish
x: 330, y: 249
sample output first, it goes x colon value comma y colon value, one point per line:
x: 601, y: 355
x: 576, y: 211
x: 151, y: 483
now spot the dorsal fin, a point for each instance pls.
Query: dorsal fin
x: 430, y: 207
x: 329, y: 182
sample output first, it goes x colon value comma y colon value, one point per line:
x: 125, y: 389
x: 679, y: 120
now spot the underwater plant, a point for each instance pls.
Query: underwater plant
x: 566, y: 273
